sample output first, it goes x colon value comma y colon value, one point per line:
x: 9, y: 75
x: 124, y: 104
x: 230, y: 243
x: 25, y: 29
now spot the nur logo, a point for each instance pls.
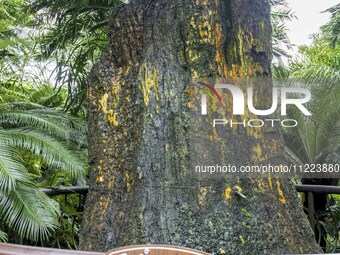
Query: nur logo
x: 288, y: 95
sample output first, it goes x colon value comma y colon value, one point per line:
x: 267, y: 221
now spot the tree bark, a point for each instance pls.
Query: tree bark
x: 141, y: 187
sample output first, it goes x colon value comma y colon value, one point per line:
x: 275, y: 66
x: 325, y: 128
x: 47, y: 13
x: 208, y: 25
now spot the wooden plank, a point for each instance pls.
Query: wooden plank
x: 151, y: 249
x: 15, y: 249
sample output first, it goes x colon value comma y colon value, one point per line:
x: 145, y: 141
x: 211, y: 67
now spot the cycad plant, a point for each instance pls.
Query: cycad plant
x: 46, y: 136
x: 316, y: 139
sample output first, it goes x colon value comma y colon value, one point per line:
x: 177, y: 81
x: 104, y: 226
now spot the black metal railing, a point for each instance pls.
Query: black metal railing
x: 305, y: 188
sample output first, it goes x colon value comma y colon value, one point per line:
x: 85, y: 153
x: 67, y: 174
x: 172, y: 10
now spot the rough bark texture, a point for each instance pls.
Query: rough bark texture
x: 141, y: 188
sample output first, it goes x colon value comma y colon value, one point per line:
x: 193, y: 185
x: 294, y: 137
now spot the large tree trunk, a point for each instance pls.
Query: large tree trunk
x: 141, y: 186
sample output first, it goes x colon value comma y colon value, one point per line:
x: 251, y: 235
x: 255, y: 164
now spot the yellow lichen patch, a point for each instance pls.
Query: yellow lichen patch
x: 115, y: 90
x: 242, y: 239
x: 270, y: 182
x: 149, y: 81
x: 112, y: 116
x: 257, y: 153
x: 103, y: 102
x: 202, y: 194
x: 260, y: 184
x: 227, y: 193
x: 274, y: 146
x: 103, y: 203
x: 201, y: 2
x: 195, y: 74
x: 113, y: 119
x: 247, y: 68
x: 235, y: 123
x: 221, y: 251
x: 100, y: 179
x: 146, y: 84
x: 192, y: 22
x: 155, y: 82
x: 128, y: 180
x: 238, y: 188
x: 215, y: 137
x: 282, y: 197
x: 220, y: 61
x: 189, y: 91
x: 204, y: 30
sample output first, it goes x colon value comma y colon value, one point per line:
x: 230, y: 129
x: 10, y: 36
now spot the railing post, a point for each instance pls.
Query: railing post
x: 311, y: 210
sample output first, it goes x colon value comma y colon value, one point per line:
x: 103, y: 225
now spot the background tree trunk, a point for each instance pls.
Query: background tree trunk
x: 141, y: 188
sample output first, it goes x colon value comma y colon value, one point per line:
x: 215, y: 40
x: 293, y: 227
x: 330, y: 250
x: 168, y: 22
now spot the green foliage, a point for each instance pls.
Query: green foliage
x: 3, y: 236
x: 330, y: 221
x: 71, y: 214
x: 316, y: 139
x: 331, y: 30
x: 36, y: 136
x: 322, y: 58
x: 74, y: 35
x: 318, y: 61
x: 280, y: 13
x: 29, y: 212
x: 12, y: 16
x: 280, y: 73
x: 47, y: 136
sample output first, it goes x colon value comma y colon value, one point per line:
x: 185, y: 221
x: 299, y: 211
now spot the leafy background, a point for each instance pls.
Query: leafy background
x: 47, y: 49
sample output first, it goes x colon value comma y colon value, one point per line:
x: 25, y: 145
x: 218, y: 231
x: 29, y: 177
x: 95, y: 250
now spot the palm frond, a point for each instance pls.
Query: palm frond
x: 280, y: 13
x: 331, y: 30
x: 12, y: 169
x: 74, y: 34
x: 55, y: 153
x: 7, y: 94
x: 316, y: 138
x: 3, y: 237
x: 318, y: 61
x: 50, y: 121
x: 29, y: 212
